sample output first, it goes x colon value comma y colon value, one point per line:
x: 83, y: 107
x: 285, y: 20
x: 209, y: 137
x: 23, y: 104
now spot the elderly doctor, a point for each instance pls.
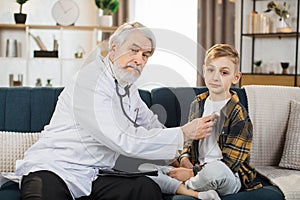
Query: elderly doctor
x: 99, y: 116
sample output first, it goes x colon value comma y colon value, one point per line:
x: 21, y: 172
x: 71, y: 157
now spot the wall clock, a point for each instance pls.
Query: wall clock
x: 65, y: 12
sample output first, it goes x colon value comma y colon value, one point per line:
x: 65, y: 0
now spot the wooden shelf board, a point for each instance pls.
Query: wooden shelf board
x: 88, y: 28
x: 269, y: 79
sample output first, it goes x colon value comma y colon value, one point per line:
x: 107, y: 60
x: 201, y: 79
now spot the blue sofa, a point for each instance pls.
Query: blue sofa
x: 25, y: 109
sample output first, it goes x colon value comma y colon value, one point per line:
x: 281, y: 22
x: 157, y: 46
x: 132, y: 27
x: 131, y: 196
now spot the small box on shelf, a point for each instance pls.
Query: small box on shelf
x: 49, y: 54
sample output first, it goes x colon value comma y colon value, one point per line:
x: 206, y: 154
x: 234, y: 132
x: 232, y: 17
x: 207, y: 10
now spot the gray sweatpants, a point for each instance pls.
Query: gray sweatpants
x: 213, y: 176
x: 216, y: 176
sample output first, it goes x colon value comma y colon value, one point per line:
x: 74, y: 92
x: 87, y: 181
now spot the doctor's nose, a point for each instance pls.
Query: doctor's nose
x: 139, y: 59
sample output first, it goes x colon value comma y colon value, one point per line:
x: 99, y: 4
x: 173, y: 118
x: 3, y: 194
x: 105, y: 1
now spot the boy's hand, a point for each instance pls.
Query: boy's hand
x: 181, y: 174
x: 199, y: 128
x: 186, y: 163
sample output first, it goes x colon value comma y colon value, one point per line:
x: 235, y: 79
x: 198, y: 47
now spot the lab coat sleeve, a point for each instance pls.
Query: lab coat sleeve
x: 97, y: 110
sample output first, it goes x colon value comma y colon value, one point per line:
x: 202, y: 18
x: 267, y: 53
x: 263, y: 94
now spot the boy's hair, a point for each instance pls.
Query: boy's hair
x: 222, y: 50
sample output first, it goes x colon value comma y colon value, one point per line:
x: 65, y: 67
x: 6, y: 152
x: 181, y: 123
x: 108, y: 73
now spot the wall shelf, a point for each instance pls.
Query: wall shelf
x: 71, y: 39
x: 88, y: 28
x: 257, y: 43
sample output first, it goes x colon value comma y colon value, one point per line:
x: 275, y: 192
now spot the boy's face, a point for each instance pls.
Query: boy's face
x: 219, y: 75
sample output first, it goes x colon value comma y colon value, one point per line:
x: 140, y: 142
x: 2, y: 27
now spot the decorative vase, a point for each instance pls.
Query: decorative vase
x: 283, y: 27
x: 257, y: 69
x: 20, y: 18
x: 284, y: 66
x: 105, y: 20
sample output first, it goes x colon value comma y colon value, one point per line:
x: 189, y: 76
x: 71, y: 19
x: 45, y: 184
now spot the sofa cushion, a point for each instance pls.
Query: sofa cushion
x: 146, y: 97
x: 43, y: 101
x: 267, y: 192
x: 26, y: 109
x: 291, y: 152
x: 269, y: 108
x: 287, y: 180
x: 17, y: 109
x: 13, y: 146
x: 175, y: 102
x: 10, y: 191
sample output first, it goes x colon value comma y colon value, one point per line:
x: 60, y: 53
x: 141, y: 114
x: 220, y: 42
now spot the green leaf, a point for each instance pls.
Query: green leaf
x: 108, y: 6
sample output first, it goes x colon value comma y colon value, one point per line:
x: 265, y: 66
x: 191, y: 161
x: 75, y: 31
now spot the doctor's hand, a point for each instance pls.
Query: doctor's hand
x: 199, y: 128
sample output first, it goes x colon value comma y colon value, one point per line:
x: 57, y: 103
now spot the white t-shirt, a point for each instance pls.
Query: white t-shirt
x: 209, y: 149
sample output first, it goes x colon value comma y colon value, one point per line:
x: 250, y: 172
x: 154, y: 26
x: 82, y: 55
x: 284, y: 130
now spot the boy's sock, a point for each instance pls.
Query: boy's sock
x: 208, y: 195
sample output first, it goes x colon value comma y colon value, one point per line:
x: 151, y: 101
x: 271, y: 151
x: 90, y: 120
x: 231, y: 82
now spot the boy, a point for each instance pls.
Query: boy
x: 220, y: 161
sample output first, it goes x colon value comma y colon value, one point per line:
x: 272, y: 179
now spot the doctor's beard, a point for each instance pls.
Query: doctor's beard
x: 126, y: 77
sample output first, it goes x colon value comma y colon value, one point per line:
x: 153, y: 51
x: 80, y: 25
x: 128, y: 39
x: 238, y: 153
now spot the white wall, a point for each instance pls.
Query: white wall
x: 174, y: 23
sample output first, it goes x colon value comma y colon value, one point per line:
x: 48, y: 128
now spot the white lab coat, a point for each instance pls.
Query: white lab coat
x: 88, y: 131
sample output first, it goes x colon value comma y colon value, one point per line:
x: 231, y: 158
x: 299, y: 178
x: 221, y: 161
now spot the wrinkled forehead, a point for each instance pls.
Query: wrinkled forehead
x: 136, y: 38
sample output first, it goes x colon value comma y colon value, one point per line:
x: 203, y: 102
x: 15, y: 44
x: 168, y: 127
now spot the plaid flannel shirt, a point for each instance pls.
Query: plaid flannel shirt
x: 235, y: 128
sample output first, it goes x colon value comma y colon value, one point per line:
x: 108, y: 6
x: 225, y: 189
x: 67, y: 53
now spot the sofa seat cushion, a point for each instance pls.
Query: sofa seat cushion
x: 10, y: 191
x: 286, y: 179
x: 267, y: 192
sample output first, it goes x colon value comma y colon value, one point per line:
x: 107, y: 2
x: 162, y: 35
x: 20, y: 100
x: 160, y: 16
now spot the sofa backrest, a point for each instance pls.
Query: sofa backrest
x: 172, y: 105
x: 27, y: 109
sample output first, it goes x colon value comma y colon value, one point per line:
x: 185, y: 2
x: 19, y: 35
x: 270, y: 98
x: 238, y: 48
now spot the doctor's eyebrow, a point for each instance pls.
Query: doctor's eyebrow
x: 138, y: 46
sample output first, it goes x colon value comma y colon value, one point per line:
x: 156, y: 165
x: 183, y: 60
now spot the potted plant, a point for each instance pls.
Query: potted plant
x: 258, y: 68
x: 282, y: 12
x: 20, y: 18
x: 108, y: 7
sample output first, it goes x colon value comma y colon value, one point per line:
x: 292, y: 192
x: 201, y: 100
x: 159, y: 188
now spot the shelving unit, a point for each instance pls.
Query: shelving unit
x: 70, y: 39
x: 269, y: 47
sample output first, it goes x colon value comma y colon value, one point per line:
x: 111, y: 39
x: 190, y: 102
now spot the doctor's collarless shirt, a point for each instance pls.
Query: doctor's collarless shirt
x: 88, y: 131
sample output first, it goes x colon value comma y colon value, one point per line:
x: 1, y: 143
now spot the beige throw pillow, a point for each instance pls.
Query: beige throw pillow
x: 291, y: 152
x: 13, y: 146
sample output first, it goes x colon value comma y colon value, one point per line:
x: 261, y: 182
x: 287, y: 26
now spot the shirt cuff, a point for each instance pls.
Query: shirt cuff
x: 180, y: 140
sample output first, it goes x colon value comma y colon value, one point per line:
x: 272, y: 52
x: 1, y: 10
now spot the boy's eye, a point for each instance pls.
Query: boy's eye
x: 224, y: 72
x: 210, y: 70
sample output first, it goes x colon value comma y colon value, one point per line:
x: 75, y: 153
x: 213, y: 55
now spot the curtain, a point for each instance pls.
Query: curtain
x: 119, y: 17
x: 216, y: 20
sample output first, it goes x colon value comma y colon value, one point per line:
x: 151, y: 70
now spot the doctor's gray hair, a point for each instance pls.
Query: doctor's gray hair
x: 120, y: 35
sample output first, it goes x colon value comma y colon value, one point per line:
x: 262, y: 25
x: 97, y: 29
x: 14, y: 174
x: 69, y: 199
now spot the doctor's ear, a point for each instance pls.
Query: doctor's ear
x: 113, y: 47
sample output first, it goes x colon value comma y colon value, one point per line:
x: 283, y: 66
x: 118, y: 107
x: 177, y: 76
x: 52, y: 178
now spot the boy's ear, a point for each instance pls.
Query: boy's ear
x: 236, y: 78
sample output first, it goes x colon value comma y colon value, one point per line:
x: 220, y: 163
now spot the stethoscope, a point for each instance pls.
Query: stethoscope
x: 121, y: 96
